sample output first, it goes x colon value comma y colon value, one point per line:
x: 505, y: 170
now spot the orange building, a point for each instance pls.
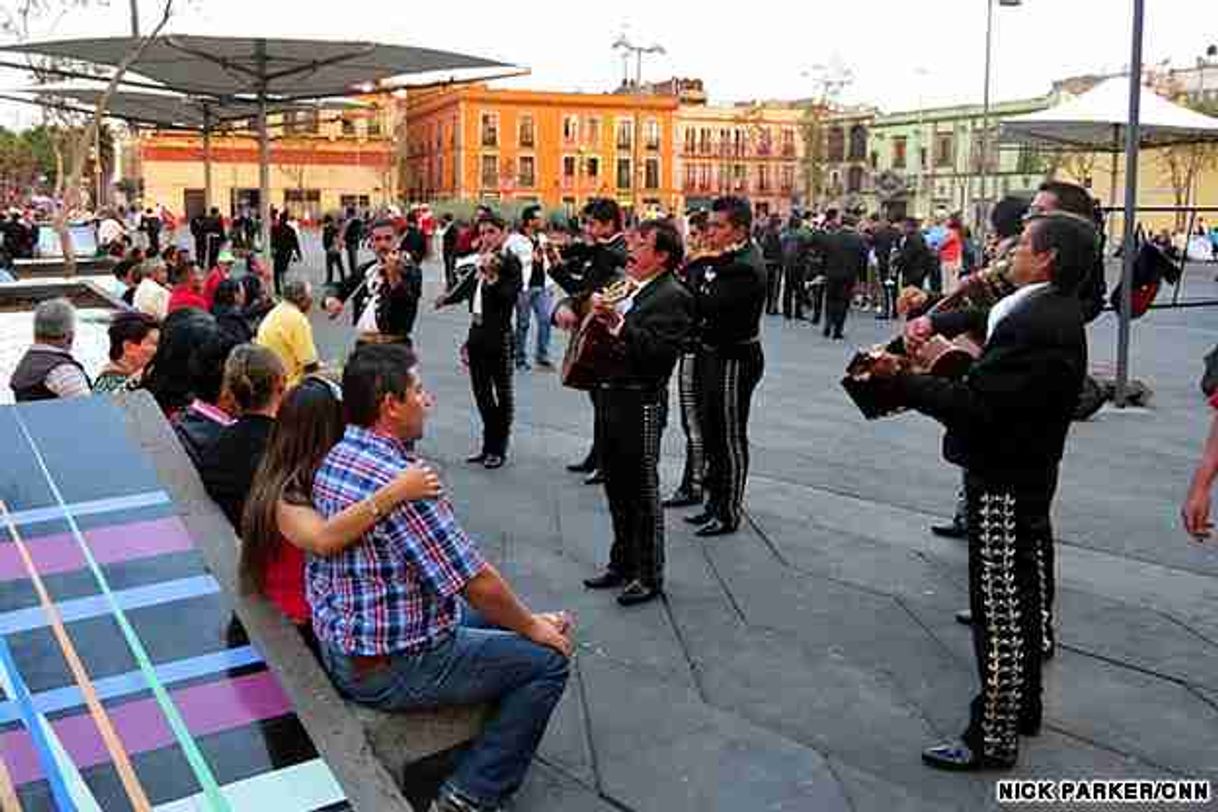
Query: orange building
x: 558, y: 149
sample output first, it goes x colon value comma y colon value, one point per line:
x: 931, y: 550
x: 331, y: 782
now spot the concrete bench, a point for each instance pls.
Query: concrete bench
x: 401, y: 738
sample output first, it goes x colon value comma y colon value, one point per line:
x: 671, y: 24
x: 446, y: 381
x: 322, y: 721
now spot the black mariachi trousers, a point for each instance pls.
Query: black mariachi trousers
x: 490, y: 376
x: 689, y: 396
x: 773, y: 285
x: 837, y: 305
x: 1010, y: 563
x: 793, y: 292
x: 629, y: 424
x: 727, y: 392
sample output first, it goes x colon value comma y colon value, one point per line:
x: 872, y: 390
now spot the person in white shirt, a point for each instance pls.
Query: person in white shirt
x: 536, y: 294
x: 109, y: 231
x: 151, y: 295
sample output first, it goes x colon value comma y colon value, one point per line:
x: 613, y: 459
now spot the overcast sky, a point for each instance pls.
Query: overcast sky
x: 902, y: 54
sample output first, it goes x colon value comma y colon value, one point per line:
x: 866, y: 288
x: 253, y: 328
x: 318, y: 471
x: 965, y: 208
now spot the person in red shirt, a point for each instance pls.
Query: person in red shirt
x: 224, y: 265
x: 187, y: 291
x: 280, y: 524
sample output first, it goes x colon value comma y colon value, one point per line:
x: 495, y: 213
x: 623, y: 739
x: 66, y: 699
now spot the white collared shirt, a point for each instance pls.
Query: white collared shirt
x: 1008, y: 305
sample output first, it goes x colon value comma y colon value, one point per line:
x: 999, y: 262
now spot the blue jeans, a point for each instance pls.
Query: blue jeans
x: 533, y: 301
x: 478, y: 663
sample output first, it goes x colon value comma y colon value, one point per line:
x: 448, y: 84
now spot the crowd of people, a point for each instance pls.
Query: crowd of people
x: 351, y: 534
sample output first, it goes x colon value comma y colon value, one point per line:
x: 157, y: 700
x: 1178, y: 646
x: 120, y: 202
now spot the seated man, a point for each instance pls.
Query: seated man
x: 392, y: 631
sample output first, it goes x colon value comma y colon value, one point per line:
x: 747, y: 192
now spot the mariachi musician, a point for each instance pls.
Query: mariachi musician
x: 689, y: 379
x: 730, y: 299
x: 642, y: 331
x: 587, y: 268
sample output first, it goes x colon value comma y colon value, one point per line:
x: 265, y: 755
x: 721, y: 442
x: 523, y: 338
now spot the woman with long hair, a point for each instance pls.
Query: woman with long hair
x: 280, y: 525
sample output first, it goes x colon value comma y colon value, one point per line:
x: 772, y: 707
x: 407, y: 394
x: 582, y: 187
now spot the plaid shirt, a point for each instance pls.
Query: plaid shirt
x: 395, y: 590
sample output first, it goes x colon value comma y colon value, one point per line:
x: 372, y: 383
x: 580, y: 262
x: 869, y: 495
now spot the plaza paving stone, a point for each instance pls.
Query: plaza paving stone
x: 803, y: 662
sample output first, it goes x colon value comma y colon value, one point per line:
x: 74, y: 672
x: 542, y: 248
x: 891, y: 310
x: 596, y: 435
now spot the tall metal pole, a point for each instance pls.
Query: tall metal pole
x: 982, y: 209
x: 207, y: 157
x: 264, y: 153
x: 1132, y: 141
x: 135, y: 18
x: 97, y: 166
x: 637, y: 170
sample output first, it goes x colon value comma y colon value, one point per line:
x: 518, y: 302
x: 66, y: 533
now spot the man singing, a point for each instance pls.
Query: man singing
x: 647, y: 332
x: 1011, y: 414
x: 729, y: 302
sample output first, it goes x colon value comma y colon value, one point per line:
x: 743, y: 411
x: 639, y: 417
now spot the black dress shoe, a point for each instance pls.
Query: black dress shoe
x: 964, y: 617
x: 958, y: 757
x: 595, y: 478
x: 955, y: 530
x: 681, y: 498
x: 1029, y: 726
x: 715, y: 527
x: 700, y: 518
x: 493, y: 461
x: 637, y: 592
x: 587, y: 466
x: 475, y: 459
x: 606, y: 580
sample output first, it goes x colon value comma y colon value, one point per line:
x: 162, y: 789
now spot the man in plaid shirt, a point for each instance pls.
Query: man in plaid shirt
x: 393, y: 631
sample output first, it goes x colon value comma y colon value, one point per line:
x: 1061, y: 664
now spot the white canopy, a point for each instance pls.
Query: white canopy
x: 1096, y: 121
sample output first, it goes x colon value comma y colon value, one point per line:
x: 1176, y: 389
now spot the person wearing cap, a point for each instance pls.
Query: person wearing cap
x: 224, y: 266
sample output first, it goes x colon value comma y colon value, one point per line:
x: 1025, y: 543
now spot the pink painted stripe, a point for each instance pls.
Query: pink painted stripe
x: 209, y: 708
x: 112, y: 543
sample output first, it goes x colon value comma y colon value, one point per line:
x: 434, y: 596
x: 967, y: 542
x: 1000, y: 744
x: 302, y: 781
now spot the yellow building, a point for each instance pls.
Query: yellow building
x: 320, y: 162
x: 559, y: 149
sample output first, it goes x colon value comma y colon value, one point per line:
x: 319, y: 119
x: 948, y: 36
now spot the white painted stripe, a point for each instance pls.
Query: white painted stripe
x: 91, y: 508
x: 305, y: 786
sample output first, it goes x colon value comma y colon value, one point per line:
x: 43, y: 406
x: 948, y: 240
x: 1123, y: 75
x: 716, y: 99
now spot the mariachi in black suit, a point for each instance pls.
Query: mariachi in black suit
x: 629, y: 422
x: 1010, y: 416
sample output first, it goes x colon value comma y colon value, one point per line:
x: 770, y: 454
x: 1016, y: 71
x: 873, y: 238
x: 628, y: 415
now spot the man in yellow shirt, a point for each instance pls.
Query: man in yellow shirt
x: 286, y: 331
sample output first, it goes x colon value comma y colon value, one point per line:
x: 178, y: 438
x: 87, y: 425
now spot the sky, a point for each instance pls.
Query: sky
x: 900, y: 55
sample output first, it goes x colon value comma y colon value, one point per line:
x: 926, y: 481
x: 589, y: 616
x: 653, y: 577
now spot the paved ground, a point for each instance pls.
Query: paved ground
x: 804, y: 662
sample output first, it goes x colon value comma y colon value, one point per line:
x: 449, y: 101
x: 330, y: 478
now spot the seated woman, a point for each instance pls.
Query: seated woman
x: 133, y: 343
x: 254, y: 379
x: 280, y: 525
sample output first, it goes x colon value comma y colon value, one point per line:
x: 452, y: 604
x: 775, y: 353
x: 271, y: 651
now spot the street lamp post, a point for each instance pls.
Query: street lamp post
x: 636, y: 174
x: 983, y: 173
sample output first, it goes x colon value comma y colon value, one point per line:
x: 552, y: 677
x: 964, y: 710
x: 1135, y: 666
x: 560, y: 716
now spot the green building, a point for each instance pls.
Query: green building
x: 927, y: 162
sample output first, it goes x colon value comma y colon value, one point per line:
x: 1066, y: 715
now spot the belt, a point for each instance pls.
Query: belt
x: 476, y: 319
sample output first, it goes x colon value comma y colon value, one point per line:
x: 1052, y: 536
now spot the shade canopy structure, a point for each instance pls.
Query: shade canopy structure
x: 268, y: 70
x: 1096, y: 121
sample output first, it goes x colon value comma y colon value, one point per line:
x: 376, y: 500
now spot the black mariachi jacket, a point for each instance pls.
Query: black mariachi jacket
x: 730, y: 297
x: 660, y: 318
x: 398, y: 306
x: 498, y: 303
x: 588, y: 268
x: 1011, y: 412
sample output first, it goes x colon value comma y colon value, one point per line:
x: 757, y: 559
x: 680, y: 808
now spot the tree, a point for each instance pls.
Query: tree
x: 1183, y: 163
x: 73, y: 140
x: 812, y: 128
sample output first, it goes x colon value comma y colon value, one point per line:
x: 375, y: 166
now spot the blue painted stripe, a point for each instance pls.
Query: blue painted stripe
x: 38, y: 734
x: 91, y: 508
x: 23, y: 620
x: 132, y: 682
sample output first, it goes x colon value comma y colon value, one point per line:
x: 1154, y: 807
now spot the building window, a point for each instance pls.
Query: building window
x: 490, y: 130
x: 836, y: 146
x: 922, y: 158
x: 900, y: 144
x: 568, y: 167
x: 651, y: 173
x: 527, y: 177
x: 527, y: 135
x: 858, y: 142
x: 945, y: 149
x: 568, y: 206
x: 854, y: 179
x: 490, y: 171
x: 592, y: 130
x: 570, y: 129
x: 704, y: 176
x: 874, y: 160
x: 763, y: 179
x: 592, y: 166
x: 704, y: 141
x: 691, y: 177
x: 374, y: 126
x: 739, y: 142
x: 765, y: 141
x: 348, y: 127
x: 739, y: 177
x: 786, y: 181
x: 788, y: 142
x: 625, y: 133
x: 691, y: 140
x: 652, y: 134
x: 623, y: 173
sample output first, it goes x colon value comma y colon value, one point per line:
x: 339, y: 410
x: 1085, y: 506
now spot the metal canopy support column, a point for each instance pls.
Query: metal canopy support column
x: 207, y: 122
x: 1132, y: 141
x: 264, y: 154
